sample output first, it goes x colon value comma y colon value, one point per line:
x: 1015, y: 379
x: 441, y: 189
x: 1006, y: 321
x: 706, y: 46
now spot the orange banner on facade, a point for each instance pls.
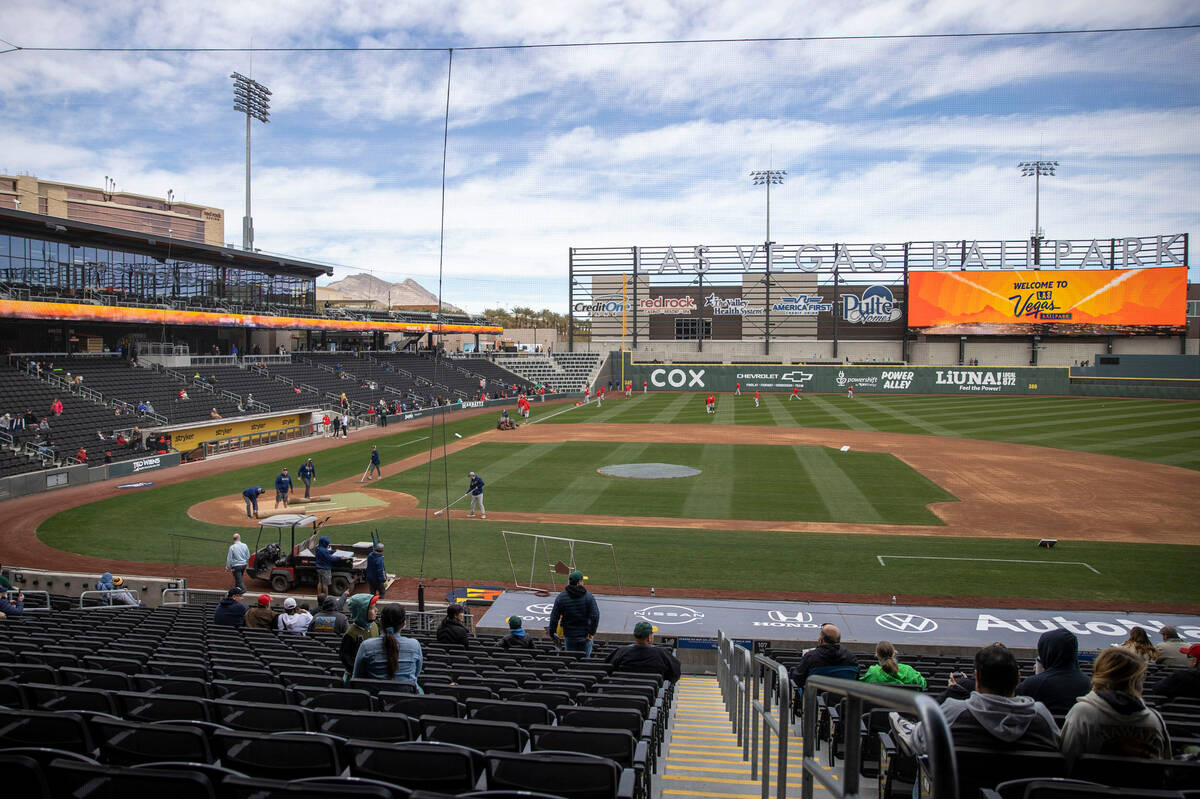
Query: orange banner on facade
x: 1058, y: 297
x: 59, y: 311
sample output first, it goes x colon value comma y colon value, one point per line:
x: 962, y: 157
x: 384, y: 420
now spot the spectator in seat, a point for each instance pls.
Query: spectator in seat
x: 230, y: 611
x: 1057, y: 681
x: 644, y: 657
x: 889, y: 671
x: 993, y: 717
x: 516, y: 638
x: 1111, y: 719
x: 108, y: 456
x: 294, y: 618
x: 81, y: 455
x: 829, y: 654
x: 30, y: 420
x: 11, y: 608
x: 1182, y: 682
x: 329, y: 619
x: 391, y: 656
x: 56, y: 407
x: 261, y: 617
x: 361, y: 610
x: 1138, y: 642
x: 452, y: 630
x: 1170, y: 650
x: 121, y: 440
x: 142, y: 407
x: 183, y: 395
x: 213, y: 414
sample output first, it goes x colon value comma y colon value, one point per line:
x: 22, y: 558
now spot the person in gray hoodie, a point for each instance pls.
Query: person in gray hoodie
x: 1111, y: 719
x: 992, y: 717
x: 1058, y: 681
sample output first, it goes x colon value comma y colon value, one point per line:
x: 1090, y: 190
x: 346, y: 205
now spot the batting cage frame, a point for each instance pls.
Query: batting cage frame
x: 544, y: 540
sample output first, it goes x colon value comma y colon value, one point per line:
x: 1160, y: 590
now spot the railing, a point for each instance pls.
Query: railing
x: 214, y: 360
x: 43, y: 453
x: 156, y: 348
x: 748, y: 682
x: 236, y: 443
x: 178, y: 597
x: 258, y: 370
x: 259, y: 359
x: 43, y: 607
x: 229, y: 395
x: 307, y: 387
x: 6, y: 439
x: 104, y: 599
x: 262, y: 406
x: 427, y: 621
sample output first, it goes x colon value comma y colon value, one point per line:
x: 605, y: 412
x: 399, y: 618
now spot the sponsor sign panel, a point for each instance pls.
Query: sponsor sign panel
x: 1156, y: 296
x: 142, y: 465
x: 696, y: 620
x: 57, y: 311
x: 875, y: 306
x: 191, y: 437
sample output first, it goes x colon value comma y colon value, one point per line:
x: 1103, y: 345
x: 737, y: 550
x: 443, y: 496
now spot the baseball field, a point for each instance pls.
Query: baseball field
x: 922, y: 497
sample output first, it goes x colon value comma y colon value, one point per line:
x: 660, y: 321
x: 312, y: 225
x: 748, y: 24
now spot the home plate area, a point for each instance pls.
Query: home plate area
x: 695, y: 622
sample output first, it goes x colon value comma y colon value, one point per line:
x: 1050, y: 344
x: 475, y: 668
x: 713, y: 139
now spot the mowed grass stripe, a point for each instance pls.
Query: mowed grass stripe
x: 712, y: 498
x: 779, y: 415
x: 839, y: 493
x: 839, y: 410
x: 674, y: 409
x: 583, y: 492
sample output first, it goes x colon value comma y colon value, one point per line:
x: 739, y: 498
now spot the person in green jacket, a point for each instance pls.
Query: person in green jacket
x: 889, y: 672
x: 361, y: 610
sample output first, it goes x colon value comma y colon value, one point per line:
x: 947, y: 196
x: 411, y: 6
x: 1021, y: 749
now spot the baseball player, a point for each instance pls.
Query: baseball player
x: 737, y: 391
x: 523, y: 406
x: 283, y: 486
x: 644, y: 384
x: 599, y: 396
x: 629, y: 389
x: 756, y: 398
x: 374, y: 467
x: 475, y: 489
x: 308, y: 473
x: 251, y: 497
x: 587, y: 394
x: 850, y: 391
x: 795, y: 395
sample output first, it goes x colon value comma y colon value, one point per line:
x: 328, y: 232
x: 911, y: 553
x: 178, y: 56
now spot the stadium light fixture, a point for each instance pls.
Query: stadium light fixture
x: 254, y: 100
x: 1036, y: 169
x: 767, y: 177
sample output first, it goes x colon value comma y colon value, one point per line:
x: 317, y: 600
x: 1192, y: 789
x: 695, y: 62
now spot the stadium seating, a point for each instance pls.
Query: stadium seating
x: 561, y: 371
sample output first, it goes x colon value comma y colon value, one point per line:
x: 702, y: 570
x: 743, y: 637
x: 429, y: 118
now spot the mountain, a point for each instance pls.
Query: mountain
x: 368, y: 287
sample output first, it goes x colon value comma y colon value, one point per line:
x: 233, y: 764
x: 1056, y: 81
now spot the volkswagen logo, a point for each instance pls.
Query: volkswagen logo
x: 540, y: 610
x: 779, y: 615
x: 906, y: 623
x: 668, y: 614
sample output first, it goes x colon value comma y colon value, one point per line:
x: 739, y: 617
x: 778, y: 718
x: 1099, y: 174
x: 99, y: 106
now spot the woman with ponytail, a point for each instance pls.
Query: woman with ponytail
x: 890, y: 672
x: 391, y: 656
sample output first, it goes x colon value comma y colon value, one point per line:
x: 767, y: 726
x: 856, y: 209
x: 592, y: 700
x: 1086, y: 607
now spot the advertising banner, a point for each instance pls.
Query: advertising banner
x: 969, y: 301
x: 58, y: 311
x: 972, y: 380
x: 186, y: 438
x: 144, y: 464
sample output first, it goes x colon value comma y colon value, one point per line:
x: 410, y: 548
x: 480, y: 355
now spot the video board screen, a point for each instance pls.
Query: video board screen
x: 1079, y: 302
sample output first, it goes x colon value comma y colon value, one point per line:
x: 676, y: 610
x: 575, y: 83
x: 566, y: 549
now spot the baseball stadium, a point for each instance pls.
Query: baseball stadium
x: 768, y: 464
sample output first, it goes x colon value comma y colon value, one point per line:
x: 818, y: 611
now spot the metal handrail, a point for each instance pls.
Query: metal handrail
x: 12, y: 592
x: 107, y: 595
x: 189, y: 596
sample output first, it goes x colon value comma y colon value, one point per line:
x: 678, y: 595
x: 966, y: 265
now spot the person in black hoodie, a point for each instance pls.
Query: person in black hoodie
x: 1058, y: 681
x: 579, y: 614
x: 516, y: 638
x: 644, y: 657
x: 230, y: 610
x: 828, y: 653
x: 452, y: 630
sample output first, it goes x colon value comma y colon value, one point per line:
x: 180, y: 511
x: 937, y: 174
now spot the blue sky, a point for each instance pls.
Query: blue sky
x: 614, y: 146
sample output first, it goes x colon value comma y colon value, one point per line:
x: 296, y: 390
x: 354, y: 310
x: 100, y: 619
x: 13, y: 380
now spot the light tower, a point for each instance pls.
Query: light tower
x: 1036, y: 169
x: 254, y: 100
x: 765, y: 177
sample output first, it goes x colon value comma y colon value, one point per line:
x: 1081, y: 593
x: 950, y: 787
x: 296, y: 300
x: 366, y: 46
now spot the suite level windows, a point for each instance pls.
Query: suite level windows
x: 687, y: 329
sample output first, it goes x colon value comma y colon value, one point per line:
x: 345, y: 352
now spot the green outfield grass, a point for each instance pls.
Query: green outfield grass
x: 134, y: 526
x: 1154, y: 430
x: 777, y: 483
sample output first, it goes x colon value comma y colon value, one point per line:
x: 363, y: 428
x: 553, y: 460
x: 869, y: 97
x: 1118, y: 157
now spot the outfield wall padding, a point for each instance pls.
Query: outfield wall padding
x: 828, y: 379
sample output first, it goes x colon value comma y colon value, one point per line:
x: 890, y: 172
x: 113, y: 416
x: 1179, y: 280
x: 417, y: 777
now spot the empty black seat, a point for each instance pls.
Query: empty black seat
x: 281, y: 755
x: 572, y: 775
x: 262, y: 717
x: 394, y: 727
x: 419, y: 765
x: 61, y: 730
x: 127, y: 743
x: 504, y: 736
x: 523, y: 714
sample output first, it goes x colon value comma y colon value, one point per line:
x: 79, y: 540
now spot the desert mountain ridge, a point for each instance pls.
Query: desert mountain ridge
x: 363, y: 286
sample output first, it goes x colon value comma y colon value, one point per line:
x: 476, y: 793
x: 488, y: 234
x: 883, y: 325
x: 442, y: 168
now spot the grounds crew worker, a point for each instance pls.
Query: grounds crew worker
x: 307, y: 472
x: 475, y: 489
x: 283, y: 486
x: 251, y: 497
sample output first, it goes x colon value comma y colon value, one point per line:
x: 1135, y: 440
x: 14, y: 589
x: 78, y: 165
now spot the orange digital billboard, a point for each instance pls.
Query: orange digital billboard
x: 21, y: 309
x: 1154, y: 297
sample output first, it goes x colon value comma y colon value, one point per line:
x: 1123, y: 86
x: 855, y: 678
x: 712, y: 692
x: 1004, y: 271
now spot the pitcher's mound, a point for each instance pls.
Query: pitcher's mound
x: 648, y: 471
x: 347, y: 506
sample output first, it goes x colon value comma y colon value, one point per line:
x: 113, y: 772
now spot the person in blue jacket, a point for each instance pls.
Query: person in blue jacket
x: 251, y: 496
x: 308, y: 472
x: 374, y: 467
x: 475, y: 489
x: 579, y: 614
x: 230, y: 611
x: 15, y: 608
x: 376, y: 573
x: 325, y: 560
x: 283, y: 487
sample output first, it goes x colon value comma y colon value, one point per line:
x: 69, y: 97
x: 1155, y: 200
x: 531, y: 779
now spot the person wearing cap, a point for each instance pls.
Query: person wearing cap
x: 1057, y: 681
x: 251, y: 495
x: 283, y: 486
x: 361, y: 610
x: 237, y: 559
x: 329, y: 619
x: 374, y: 469
x: 308, y: 473
x: 294, y: 618
x: 579, y: 614
x: 324, y: 565
x: 376, y: 573
x: 516, y: 638
x: 261, y: 617
x: 1182, y: 682
x: 1170, y: 650
x: 452, y: 630
x: 644, y: 657
x: 116, y: 593
x: 230, y: 611
x: 475, y: 489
